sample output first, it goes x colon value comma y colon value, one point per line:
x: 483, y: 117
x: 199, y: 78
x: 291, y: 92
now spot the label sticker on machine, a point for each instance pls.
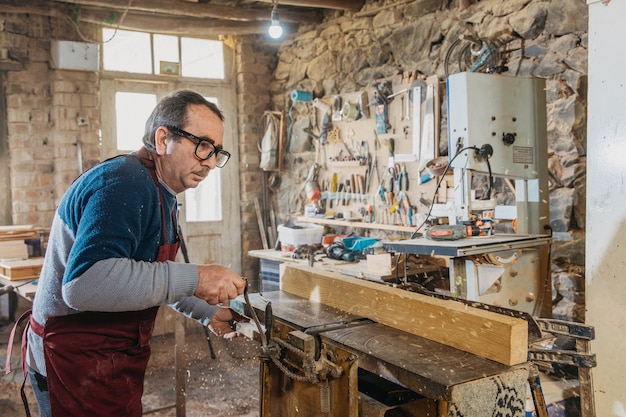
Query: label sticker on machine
x: 522, y: 155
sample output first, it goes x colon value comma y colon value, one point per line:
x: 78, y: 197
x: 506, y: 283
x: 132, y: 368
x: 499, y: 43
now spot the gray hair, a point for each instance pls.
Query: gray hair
x: 172, y: 110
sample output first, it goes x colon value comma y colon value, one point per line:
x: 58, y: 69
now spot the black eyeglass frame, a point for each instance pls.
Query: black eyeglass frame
x: 217, y: 150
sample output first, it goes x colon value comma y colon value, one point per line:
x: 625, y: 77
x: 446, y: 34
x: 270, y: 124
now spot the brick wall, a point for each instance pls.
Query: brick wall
x: 255, y: 63
x: 44, y: 138
x: 42, y: 107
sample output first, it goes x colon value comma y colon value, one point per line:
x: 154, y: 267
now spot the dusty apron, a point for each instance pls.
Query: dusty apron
x: 96, y: 361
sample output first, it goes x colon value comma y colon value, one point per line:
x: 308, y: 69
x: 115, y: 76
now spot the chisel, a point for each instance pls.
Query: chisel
x: 333, y: 189
x: 391, y: 147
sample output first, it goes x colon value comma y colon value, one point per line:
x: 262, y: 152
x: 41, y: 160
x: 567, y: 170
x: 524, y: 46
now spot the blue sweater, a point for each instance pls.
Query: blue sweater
x: 102, y: 251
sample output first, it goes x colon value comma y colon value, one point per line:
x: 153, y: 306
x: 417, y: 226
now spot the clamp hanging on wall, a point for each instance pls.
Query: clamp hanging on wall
x: 301, y: 96
x: 296, y: 96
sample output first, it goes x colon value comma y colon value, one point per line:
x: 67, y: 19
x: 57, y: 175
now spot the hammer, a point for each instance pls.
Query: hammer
x: 6, y: 289
x: 9, y: 288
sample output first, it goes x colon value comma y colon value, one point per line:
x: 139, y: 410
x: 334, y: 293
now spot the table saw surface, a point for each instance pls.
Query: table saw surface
x: 424, y: 366
x: 467, y: 246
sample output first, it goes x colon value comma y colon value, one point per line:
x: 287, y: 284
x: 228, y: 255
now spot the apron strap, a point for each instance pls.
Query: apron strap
x: 17, y: 324
x: 23, y: 317
x: 146, y: 159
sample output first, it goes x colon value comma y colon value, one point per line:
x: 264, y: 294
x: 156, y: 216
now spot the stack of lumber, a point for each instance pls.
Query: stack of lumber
x: 18, y: 269
x: 12, y: 241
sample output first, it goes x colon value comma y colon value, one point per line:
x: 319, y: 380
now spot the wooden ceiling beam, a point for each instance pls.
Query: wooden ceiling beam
x: 197, y: 10
x: 321, y: 4
x: 173, y: 25
x: 35, y: 7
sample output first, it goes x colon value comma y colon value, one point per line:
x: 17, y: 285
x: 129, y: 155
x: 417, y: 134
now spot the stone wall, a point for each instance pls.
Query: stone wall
x: 538, y: 38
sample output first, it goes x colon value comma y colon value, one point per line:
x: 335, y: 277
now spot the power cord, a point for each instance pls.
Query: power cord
x: 485, y: 151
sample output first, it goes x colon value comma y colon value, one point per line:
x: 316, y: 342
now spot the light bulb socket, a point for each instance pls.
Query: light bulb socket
x: 275, y: 30
x: 275, y: 17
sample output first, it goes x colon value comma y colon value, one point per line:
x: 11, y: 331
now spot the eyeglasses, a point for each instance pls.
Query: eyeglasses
x: 205, y: 147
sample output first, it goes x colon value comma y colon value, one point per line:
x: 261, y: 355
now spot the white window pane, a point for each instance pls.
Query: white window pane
x: 202, y: 58
x: 166, y: 52
x: 126, y: 51
x: 204, y: 203
x: 131, y: 112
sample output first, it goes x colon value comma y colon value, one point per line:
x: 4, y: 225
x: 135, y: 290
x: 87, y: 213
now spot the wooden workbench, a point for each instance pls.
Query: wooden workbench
x: 24, y: 288
x: 463, y: 384
x: 22, y: 274
x: 353, y: 269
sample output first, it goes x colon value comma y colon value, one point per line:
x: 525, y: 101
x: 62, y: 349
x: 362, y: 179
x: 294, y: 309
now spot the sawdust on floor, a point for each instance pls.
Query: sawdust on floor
x: 222, y: 387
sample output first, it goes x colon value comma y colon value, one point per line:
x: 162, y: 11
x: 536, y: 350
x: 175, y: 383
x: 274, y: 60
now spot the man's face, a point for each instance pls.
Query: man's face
x: 177, y: 165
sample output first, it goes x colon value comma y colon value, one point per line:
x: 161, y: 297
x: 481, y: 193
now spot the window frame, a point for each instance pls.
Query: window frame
x: 228, y: 56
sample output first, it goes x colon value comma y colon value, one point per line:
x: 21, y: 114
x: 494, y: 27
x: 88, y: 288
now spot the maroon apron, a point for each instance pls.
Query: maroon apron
x: 96, y: 361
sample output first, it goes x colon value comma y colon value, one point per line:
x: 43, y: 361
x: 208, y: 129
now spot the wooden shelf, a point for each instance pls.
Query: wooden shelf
x: 355, y: 224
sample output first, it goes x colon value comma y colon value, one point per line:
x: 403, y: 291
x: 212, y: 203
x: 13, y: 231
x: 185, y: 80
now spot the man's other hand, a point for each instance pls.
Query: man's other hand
x: 223, y: 321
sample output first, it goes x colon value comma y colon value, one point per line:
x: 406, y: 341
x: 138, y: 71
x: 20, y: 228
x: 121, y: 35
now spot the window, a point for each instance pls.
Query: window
x: 200, y: 57
x: 147, y: 53
x: 126, y: 51
x: 166, y: 54
x: 130, y: 110
x: 202, y: 204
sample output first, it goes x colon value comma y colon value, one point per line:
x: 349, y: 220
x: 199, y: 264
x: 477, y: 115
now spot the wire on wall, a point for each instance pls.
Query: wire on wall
x: 73, y: 20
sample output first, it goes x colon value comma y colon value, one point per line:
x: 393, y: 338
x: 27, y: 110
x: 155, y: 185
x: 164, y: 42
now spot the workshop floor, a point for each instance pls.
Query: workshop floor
x: 222, y: 387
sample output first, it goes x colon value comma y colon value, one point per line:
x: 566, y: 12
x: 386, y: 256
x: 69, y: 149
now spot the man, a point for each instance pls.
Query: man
x: 109, y: 265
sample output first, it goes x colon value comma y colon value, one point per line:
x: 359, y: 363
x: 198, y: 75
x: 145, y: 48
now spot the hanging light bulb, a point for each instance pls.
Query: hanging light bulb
x: 275, y: 30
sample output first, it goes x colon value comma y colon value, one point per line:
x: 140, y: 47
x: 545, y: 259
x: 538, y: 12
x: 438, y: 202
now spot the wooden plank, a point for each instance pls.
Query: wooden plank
x: 21, y: 269
x: 13, y: 249
x: 16, y: 228
x: 18, y: 232
x: 493, y: 336
x: 415, y: 362
x: 587, y: 400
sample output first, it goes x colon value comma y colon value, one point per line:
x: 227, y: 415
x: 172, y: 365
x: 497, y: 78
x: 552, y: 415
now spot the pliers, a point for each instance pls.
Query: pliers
x: 394, y: 170
x: 402, y: 179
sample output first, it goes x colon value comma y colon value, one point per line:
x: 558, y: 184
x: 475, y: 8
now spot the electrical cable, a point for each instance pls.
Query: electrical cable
x: 73, y: 20
x: 441, y: 178
x: 490, y: 179
x: 446, y: 59
x: 290, y: 128
x: 396, y: 268
x: 406, y: 268
x: 490, y: 57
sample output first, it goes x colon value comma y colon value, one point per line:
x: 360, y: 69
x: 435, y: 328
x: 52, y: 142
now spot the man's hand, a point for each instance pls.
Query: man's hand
x: 218, y: 285
x: 222, y: 323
